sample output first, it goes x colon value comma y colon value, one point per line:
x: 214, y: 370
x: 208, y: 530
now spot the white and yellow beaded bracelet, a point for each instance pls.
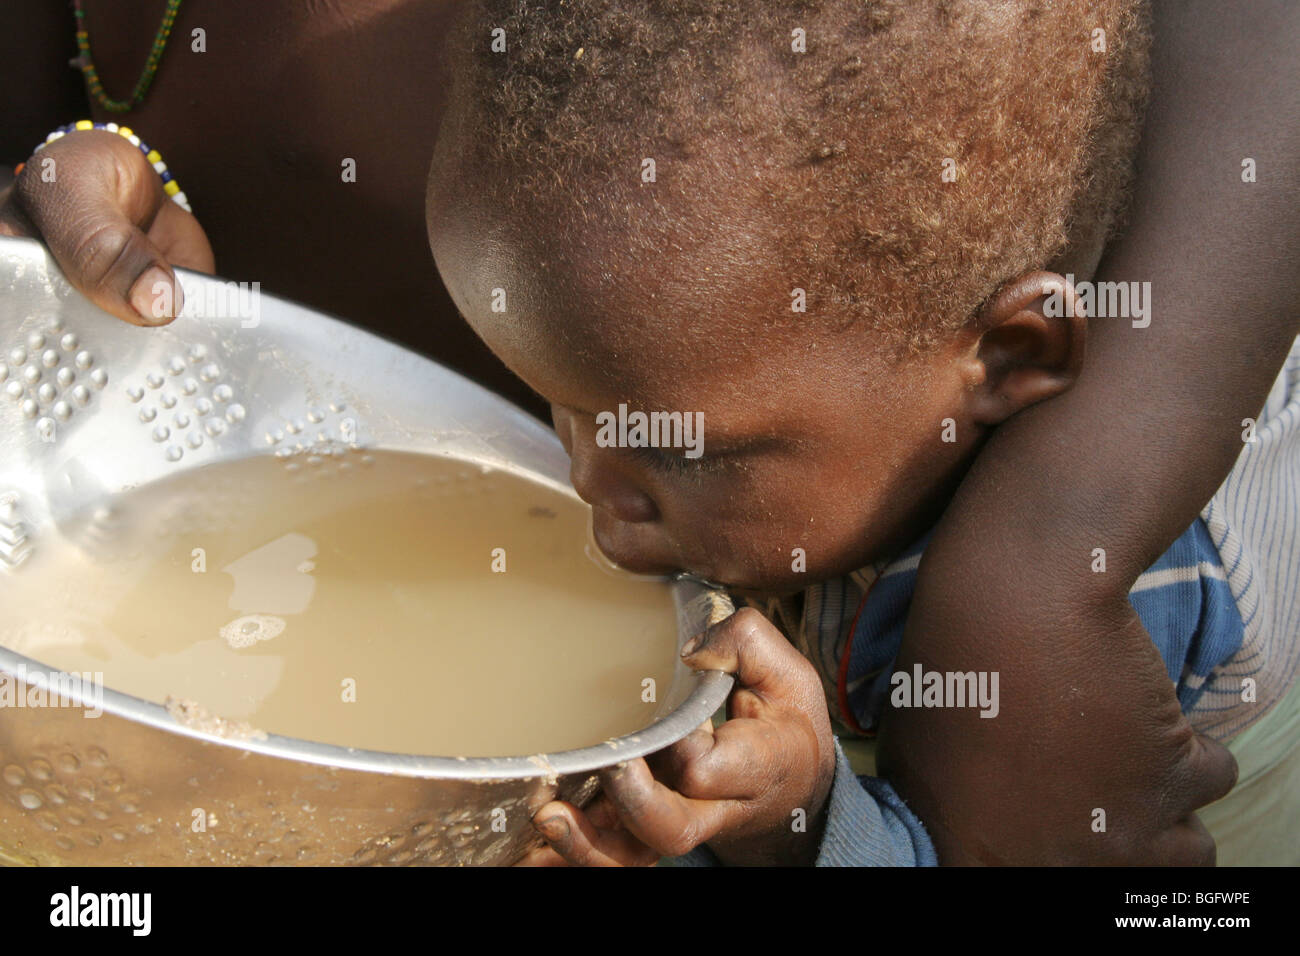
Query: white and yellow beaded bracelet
x: 170, y: 186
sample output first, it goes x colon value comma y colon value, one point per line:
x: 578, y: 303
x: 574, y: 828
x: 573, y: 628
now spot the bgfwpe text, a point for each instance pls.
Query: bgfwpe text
x: 102, y: 909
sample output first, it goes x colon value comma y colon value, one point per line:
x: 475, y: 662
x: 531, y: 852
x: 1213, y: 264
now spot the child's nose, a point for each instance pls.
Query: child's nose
x: 605, y: 488
x: 599, y: 476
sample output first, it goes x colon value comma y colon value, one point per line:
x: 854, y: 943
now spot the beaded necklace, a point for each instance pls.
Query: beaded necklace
x: 87, y: 65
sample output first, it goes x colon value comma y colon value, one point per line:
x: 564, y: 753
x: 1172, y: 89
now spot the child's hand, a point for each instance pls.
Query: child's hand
x: 101, y: 209
x: 754, y: 789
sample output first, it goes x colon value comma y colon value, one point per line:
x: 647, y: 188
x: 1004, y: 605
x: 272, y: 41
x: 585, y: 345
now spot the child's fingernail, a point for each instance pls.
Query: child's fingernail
x: 553, y: 829
x: 691, y: 646
x: 156, y: 297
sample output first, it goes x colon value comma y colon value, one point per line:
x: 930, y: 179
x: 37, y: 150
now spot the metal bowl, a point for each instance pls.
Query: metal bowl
x: 133, y: 786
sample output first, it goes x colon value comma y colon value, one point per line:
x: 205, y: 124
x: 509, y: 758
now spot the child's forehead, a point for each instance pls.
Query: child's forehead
x: 663, y: 294
x: 697, y: 266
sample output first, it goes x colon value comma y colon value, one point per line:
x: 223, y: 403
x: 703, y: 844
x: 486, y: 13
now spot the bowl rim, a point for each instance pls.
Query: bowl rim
x: 710, y: 690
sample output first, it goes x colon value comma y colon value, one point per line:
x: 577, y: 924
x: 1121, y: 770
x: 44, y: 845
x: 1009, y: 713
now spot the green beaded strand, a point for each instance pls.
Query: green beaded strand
x: 87, y: 63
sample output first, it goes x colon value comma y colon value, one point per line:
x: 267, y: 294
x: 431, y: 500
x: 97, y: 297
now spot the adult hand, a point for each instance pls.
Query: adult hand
x: 100, y: 207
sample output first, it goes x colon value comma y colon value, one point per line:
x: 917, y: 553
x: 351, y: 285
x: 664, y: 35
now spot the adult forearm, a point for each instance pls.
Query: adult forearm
x: 1088, y: 759
x: 1123, y: 462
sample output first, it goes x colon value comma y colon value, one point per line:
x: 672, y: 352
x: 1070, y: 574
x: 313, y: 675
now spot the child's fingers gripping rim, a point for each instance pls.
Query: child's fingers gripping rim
x: 661, y: 818
x: 668, y: 764
x: 749, y: 646
x: 572, y: 836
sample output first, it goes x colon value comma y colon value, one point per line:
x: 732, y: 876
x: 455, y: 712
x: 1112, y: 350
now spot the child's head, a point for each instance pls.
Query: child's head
x: 648, y: 184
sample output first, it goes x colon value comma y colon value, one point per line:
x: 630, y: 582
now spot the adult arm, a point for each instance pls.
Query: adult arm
x: 1125, y: 461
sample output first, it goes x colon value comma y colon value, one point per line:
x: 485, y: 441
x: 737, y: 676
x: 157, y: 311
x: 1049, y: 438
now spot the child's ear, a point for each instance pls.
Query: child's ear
x: 1029, y: 347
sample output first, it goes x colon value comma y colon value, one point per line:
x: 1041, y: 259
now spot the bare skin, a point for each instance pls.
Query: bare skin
x: 1006, y: 580
x: 256, y: 129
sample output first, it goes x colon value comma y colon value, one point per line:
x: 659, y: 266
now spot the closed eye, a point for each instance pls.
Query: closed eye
x: 678, y: 464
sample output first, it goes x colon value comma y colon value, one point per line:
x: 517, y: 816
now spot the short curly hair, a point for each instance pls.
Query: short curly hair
x: 929, y: 150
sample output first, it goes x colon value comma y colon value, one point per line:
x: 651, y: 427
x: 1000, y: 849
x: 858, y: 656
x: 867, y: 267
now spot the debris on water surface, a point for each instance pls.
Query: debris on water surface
x: 195, y: 716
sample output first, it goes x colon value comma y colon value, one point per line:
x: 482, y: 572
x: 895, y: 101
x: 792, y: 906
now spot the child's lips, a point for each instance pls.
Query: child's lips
x: 638, y: 548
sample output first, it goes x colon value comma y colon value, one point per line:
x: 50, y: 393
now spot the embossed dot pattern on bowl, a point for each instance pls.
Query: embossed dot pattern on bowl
x: 50, y: 376
x: 186, y: 402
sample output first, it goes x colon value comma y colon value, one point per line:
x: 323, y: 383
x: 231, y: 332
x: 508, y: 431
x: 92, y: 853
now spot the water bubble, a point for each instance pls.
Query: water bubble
x: 248, y: 630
